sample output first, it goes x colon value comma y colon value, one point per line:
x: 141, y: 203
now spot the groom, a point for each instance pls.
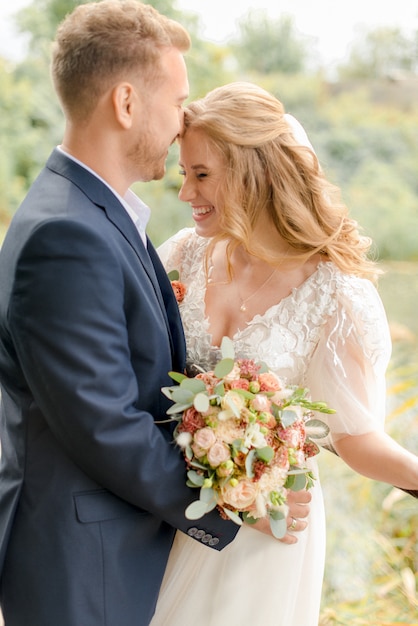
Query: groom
x: 91, y: 488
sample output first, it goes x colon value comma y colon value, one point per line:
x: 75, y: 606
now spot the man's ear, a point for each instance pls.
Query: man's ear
x: 124, y: 99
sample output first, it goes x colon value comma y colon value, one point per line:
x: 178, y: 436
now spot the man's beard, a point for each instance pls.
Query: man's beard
x: 148, y: 159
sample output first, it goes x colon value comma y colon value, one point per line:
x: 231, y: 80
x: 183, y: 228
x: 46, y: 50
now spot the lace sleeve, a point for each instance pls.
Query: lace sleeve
x: 349, y: 365
x: 171, y: 251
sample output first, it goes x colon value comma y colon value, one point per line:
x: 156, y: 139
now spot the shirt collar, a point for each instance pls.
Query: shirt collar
x: 137, y: 210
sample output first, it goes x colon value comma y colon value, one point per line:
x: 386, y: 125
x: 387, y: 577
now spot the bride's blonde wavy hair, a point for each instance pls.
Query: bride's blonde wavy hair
x: 267, y: 170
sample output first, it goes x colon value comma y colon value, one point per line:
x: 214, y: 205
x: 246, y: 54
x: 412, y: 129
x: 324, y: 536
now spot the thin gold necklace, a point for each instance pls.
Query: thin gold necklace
x: 244, y: 301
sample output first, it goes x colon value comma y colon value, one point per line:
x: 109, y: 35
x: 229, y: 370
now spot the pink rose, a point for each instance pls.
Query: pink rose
x: 192, y: 420
x: 218, y: 453
x: 204, y: 438
x: 241, y: 496
x: 294, y: 435
x: 240, y: 383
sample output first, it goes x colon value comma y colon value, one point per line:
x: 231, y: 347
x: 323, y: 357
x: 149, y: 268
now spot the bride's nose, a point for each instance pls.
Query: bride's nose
x: 187, y: 191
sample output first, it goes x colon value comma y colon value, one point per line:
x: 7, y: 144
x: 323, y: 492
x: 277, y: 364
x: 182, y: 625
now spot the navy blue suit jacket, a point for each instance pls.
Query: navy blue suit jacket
x: 91, y: 489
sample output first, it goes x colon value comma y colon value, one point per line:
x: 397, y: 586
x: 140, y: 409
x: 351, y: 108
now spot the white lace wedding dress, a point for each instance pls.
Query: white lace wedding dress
x: 330, y: 335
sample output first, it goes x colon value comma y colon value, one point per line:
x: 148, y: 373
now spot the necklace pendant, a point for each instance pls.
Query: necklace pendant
x: 243, y: 308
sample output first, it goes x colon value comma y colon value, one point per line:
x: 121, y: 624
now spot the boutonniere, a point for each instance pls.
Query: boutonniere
x: 179, y: 288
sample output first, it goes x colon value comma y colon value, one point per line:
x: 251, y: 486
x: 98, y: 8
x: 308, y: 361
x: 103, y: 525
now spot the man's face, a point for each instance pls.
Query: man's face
x: 160, y: 117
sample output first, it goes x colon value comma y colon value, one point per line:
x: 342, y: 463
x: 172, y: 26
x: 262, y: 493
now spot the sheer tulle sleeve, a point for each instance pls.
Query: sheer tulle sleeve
x: 349, y: 364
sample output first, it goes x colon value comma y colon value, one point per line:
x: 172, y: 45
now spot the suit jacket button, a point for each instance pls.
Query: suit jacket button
x: 192, y: 531
x: 199, y: 534
x: 206, y: 538
x: 213, y: 542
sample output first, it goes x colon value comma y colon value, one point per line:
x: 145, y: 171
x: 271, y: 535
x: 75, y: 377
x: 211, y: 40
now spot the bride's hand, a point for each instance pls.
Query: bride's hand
x: 298, y: 502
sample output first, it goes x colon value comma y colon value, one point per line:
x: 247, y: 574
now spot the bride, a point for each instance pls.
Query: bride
x: 275, y: 263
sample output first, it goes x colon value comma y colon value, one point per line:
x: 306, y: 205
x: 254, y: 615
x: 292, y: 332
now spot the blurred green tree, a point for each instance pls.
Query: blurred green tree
x: 266, y: 45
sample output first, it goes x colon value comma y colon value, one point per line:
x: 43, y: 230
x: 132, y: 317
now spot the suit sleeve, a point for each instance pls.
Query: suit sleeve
x: 68, y: 324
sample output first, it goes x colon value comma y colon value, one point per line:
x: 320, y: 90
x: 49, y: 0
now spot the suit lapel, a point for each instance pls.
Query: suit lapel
x: 102, y: 196
x: 172, y: 310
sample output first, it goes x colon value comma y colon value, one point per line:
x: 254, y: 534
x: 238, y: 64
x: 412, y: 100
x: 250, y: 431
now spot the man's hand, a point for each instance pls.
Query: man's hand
x: 298, y: 502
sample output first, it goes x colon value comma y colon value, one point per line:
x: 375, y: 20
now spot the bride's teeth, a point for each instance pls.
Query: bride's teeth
x: 202, y: 210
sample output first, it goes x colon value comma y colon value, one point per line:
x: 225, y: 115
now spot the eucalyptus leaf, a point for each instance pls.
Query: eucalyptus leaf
x: 278, y: 527
x: 198, y: 465
x: 278, y: 514
x: 208, y: 495
x: 167, y: 391
x: 299, y: 482
x: 233, y: 516
x: 288, y: 417
x: 177, y: 376
x: 195, y: 385
x: 173, y: 275
x: 201, y: 402
x: 245, y: 393
x: 224, y: 367
x: 227, y: 348
x: 249, y: 463
x: 182, y: 396
x: 248, y: 519
x: 196, y: 510
x: 178, y: 408
x: 231, y: 404
x: 191, y: 485
x: 220, y: 389
x: 265, y: 454
x: 195, y: 478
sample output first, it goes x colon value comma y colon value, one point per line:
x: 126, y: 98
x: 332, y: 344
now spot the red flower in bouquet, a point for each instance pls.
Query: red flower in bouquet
x: 246, y: 437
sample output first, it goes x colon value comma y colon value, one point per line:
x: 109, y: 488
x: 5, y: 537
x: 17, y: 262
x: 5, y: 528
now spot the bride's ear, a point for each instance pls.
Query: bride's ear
x: 124, y: 100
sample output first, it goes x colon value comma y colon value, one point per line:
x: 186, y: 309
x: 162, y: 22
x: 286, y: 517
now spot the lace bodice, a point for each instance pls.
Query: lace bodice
x: 329, y: 334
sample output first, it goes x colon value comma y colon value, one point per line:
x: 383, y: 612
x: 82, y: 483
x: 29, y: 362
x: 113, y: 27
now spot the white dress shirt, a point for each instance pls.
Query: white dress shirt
x: 137, y: 210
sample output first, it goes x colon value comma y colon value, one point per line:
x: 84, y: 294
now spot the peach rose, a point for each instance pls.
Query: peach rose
x: 179, y: 290
x: 240, y: 497
x: 269, y: 382
x: 218, y: 453
x: 204, y: 438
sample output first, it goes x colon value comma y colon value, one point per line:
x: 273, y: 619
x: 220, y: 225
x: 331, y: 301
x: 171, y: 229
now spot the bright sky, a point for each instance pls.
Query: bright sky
x: 332, y: 23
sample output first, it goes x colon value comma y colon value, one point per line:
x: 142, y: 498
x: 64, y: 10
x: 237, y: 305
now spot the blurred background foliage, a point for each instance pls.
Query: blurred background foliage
x: 363, y: 122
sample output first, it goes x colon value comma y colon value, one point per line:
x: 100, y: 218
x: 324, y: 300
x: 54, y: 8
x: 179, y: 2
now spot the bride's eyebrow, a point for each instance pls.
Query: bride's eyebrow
x: 198, y: 166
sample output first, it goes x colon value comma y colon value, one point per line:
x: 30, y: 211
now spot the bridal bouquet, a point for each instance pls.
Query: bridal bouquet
x: 246, y: 437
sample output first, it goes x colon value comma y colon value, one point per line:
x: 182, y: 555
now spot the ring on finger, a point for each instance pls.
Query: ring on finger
x: 293, y: 524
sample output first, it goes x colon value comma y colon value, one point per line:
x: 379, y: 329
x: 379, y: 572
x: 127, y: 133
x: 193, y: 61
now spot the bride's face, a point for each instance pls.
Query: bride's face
x: 203, y: 171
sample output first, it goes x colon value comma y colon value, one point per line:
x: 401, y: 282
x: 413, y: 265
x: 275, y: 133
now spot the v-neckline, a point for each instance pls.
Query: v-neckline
x: 259, y: 316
